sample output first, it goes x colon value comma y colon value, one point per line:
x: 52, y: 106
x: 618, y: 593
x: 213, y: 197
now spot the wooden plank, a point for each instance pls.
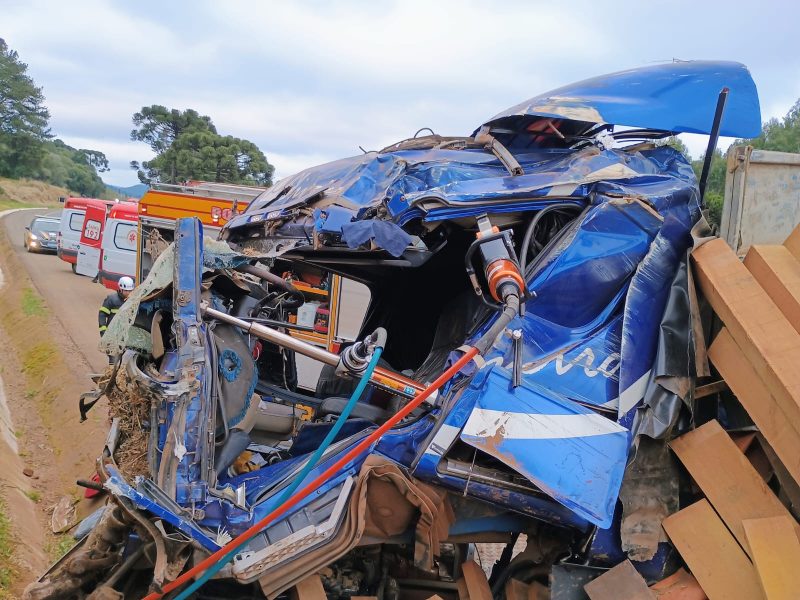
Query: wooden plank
x: 681, y: 585
x: 461, y: 586
x: 778, y: 272
x: 516, y: 590
x: 757, y: 401
x: 715, y: 559
x: 776, y: 555
x: 702, y: 391
x: 475, y: 580
x: 623, y: 581
x: 792, y: 243
x: 760, y: 329
x: 727, y: 478
x: 309, y: 589
x: 536, y: 591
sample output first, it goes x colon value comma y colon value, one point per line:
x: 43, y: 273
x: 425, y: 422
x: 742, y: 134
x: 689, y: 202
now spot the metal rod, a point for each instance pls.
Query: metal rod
x: 712, y: 144
x: 382, y: 378
x: 269, y: 334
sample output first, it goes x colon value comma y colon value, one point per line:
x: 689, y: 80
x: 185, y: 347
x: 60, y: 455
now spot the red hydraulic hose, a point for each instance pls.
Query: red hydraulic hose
x: 247, y: 535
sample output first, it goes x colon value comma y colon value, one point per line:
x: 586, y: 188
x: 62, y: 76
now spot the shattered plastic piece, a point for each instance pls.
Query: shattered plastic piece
x: 85, y: 526
x: 64, y: 515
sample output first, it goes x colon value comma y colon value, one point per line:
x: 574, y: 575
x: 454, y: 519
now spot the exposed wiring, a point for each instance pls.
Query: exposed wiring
x: 307, y: 468
x: 219, y: 558
x: 526, y: 241
x: 354, y: 398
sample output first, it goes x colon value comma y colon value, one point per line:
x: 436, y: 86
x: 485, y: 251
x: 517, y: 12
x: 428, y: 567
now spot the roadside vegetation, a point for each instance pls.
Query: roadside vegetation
x: 781, y: 135
x: 28, y: 148
x: 58, y: 546
x: 7, y: 570
x: 32, y: 304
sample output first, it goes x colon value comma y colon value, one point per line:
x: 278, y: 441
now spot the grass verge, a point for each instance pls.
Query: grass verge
x: 7, y: 570
x: 59, y: 546
x: 32, y: 303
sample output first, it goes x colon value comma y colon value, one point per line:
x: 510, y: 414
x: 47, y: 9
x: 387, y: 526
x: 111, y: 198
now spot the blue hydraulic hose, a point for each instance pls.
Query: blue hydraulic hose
x: 312, y: 462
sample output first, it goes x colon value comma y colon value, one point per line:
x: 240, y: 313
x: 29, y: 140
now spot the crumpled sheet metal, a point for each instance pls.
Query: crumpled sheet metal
x: 570, y: 452
x: 446, y: 184
x: 678, y: 96
x: 384, y: 503
x: 121, y: 333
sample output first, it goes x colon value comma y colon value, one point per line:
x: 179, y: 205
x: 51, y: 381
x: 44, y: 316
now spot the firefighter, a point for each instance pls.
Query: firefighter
x: 112, y: 304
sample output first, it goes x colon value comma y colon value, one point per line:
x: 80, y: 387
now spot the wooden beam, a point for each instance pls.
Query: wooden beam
x: 309, y: 589
x: 727, y: 478
x: 715, y: 559
x: 701, y: 391
x: 776, y: 555
x: 760, y: 329
x: 757, y: 401
x: 778, y: 272
x: 475, y: 580
x: 792, y: 243
x: 681, y: 585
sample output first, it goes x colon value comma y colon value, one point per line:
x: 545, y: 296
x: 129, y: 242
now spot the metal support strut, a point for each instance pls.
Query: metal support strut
x: 381, y: 378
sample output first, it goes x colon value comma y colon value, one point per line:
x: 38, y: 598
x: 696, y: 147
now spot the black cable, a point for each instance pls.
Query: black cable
x: 526, y: 241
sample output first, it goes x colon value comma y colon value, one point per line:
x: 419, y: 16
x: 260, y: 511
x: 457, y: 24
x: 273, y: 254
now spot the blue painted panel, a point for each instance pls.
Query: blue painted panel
x: 680, y: 96
x: 571, y: 453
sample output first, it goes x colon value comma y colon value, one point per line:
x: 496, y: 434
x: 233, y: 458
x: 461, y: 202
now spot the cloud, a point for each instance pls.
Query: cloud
x: 308, y: 81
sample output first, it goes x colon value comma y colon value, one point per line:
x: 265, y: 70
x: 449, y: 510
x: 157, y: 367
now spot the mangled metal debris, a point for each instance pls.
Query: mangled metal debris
x: 522, y: 284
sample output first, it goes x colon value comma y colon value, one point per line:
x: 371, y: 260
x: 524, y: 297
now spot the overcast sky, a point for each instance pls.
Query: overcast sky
x: 310, y: 83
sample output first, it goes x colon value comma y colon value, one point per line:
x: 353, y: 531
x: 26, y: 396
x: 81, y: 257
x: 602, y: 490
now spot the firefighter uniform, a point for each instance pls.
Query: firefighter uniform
x: 108, y: 310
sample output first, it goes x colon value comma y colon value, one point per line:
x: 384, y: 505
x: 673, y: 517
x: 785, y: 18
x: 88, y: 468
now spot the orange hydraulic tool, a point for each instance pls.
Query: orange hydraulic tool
x: 500, y: 264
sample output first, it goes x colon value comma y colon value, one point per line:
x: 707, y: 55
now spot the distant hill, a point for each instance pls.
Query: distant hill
x: 132, y: 191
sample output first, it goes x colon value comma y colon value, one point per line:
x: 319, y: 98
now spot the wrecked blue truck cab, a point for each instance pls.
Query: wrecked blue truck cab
x: 539, y: 263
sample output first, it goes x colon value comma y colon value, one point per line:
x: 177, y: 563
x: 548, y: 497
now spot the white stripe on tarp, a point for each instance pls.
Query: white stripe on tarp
x: 484, y: 422
x: 632, y: 395
x: 613, y: 403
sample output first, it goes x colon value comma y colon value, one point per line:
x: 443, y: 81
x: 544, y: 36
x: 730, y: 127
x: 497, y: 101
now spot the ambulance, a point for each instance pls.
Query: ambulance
x: 71, y: 230
x: 119, y: 244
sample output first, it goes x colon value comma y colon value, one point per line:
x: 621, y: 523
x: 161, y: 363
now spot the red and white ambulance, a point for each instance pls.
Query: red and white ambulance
x: 73, y: 215
x: 119, y: 244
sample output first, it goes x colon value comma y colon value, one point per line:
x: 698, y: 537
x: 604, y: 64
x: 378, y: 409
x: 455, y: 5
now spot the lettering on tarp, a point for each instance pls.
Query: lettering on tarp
x: 586, y: 359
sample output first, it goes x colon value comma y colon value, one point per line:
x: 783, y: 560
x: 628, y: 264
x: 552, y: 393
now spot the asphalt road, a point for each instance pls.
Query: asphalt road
x: 74, y: 299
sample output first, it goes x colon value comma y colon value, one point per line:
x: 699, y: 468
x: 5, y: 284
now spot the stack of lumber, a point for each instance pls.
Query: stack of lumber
x: 740, y: 540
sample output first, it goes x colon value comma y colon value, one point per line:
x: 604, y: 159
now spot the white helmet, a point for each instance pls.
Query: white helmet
x: 125, y: 284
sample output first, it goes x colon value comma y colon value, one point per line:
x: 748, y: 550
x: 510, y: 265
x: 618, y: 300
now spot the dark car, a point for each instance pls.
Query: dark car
x: 40, y: 235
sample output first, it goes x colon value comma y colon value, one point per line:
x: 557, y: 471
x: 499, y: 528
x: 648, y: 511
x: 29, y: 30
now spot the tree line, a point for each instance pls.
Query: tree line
x: 189, y: 147
x: 28, y: 147
x: 187, y: 144
x: 778, y: 134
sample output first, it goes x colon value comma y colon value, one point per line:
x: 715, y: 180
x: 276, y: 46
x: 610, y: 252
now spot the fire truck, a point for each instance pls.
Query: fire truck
x: 162, y: 204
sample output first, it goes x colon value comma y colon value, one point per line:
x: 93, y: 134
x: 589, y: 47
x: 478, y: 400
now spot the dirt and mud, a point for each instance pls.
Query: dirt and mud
x: 43, y: 373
